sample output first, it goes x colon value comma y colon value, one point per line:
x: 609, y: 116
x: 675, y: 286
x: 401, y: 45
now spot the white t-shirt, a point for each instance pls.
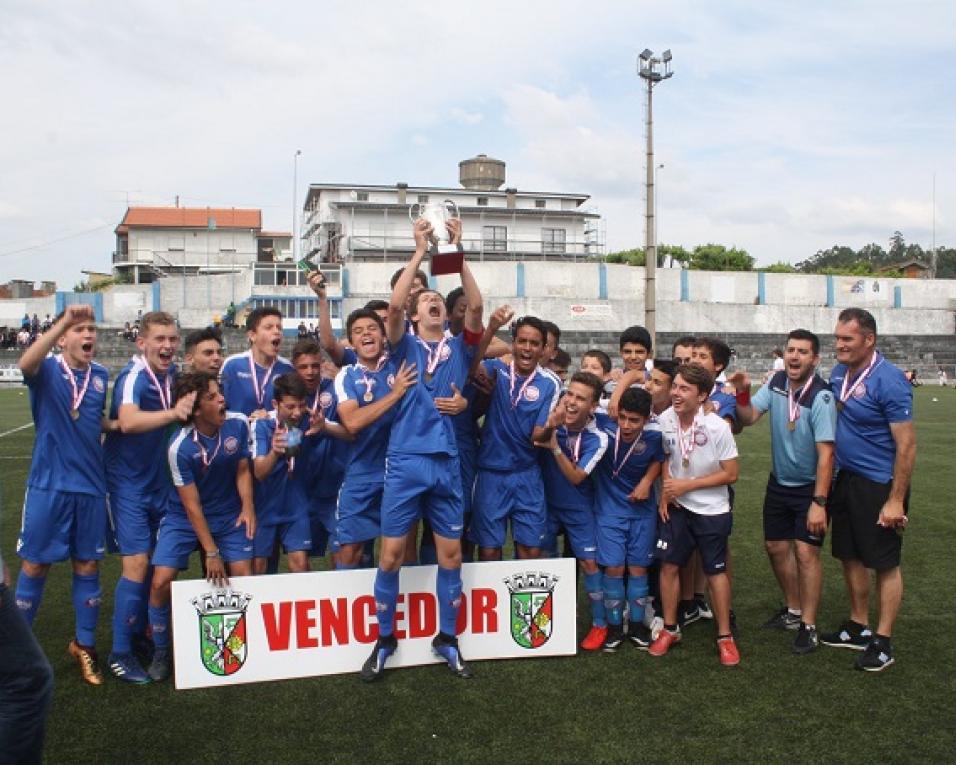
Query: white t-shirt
x: 712, y: 443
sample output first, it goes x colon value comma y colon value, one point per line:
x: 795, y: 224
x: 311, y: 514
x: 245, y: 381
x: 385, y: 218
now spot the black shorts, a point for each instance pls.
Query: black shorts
x: 687, y: 531
x: 785, y: 511
x: 854, y: 510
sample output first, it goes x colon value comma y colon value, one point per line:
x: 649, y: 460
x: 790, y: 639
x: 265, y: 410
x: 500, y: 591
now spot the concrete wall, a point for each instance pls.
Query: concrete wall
x: 11, y: 311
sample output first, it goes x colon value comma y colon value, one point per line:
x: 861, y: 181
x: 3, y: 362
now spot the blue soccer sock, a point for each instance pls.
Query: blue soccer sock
x: 595, y: 591
x: 126, y: 608
x: 29, y: 595
x: 142, y: 617
x: 386, y: 596
x: 86, y: 604
x: 614, y: 599
x: 636, y: 598
x: 448, y: 590
x: 159, y: 622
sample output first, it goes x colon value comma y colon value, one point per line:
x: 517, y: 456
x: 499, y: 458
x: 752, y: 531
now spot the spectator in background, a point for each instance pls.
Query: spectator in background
x: 777, y: 365
x: 941, y: 376
x: 23, y: 338
x: 303, y: 331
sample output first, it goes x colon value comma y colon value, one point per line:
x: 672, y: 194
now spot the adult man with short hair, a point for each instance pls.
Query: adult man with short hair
x: 875, y: 454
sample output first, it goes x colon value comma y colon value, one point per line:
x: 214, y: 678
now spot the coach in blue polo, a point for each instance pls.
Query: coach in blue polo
x: 875, y: 453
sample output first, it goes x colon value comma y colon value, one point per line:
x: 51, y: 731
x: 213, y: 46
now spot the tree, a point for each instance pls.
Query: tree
x: 779, y: 267
x: 716, y: 257
x: 897, y: 246
x: 946, y: 263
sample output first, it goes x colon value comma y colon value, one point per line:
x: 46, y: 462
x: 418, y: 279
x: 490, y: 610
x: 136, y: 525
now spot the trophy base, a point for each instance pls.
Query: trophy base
x: 447, y: 259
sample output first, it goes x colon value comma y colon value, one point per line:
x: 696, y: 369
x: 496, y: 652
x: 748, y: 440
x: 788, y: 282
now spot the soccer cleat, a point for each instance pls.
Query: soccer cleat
x: 657, y: 624
x: 614, y: 636
x: 640, y: 636
x: 88, y: 661
x: 687, y: 613
x: 664, y: 642
x: 127, y: 668
x: 594, y: 639
x: 877, y: 656
x: 374, y: 665
x: 806, y: 640
x: 703, y: 607
x: 447, y: 648
x: 784, y: 619
x: 161, y: 665
x: 727, y: 650
x: 850, y: 635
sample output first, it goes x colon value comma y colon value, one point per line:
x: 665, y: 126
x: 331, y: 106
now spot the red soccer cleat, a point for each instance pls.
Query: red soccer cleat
x: 729, y: 655
x: 594, y: 639
x: 664, y: 642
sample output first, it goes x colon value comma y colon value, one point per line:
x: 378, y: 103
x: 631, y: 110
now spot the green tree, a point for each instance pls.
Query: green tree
x: 946, y: 263
x: 716, y: 257
x: 779, y: 268
x: 897, y: 246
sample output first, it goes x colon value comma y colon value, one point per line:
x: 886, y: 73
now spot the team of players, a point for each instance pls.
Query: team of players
x: 268, y: 455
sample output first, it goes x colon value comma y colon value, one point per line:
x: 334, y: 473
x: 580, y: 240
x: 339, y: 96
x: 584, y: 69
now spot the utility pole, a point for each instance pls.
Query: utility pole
x: 295, y: 212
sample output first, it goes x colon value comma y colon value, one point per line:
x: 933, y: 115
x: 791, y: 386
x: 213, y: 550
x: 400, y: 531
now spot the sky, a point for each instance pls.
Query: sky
x: 787, y: 127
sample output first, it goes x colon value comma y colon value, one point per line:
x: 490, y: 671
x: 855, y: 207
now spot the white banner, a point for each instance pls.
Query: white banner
x: 303, y: 625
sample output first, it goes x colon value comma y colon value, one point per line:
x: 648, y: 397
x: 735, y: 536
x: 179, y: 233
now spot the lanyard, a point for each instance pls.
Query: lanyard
x: 617, y: 442
x: 686, y: 444
x: 165, y: 396
x: 434, y: 356
x: 511, y: 390
x: 260, y: 393
x: 77, y: 395
x: 576, y: 449
x: 844, y: 392
x: 794, y: 400
x: 203, y: 454
x: 365, y: 378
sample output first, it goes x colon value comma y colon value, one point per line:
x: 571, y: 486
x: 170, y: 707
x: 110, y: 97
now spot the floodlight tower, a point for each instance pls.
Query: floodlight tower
x: 652, y: 70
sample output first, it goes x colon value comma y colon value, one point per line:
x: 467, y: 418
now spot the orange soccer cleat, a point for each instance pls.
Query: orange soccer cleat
x: 727, y: 648
x: 594, y: 639
x: 664, y: 642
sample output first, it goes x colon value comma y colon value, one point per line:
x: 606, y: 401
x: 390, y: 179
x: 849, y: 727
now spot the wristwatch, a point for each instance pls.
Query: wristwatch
x: 819, y: 499
x: 556, y: 451
x: 212, y: 554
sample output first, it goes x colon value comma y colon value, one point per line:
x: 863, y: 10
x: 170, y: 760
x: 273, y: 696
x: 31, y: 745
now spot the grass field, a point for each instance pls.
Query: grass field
x: 625, y: 707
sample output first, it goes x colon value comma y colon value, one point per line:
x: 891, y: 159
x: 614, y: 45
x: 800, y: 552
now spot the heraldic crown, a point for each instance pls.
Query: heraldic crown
x: 531, y: 580
x: 221, y: 601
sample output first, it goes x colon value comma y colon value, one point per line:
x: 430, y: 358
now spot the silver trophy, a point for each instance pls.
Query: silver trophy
x: 447, y: 258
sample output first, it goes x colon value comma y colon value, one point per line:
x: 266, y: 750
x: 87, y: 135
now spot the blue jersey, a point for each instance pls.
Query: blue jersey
x: 584, y: 448
x: 466, y: 427
x: 366, y: 458
x: 283, y: 495
x: 67, y: 453
x: 134, y: 463
x: 327, y: 457
x: 516, y: 408
x: 239, y: 388
x: 211, y: 463
x: 795, y: 451
x: 349, y: 357
x: 623, y: 467
x: 419, y: 427
x: 725, y: 402
x: 864, y: 443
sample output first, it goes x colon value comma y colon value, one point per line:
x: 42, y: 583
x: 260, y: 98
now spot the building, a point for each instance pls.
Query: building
x: 911, y: 269
x: 22, y: 288
x: 354, y: 222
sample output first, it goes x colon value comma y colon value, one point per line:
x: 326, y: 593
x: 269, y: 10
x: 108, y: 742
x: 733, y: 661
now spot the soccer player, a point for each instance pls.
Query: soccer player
x: 659, y: 385
x: 625, y: 509
x: 875, y: 454
x: 211, y: 502
x: 695, y: 505
x: 559, y: 365
x: 802, y: 429
x: 247, y: 378
x: 682, y: 351
x: 137, y: 480
x: 598, y: 363
x: 713, y: 354
x: 635, y: 345
x: 552, y: 343
x: 423, y: 479
x: 64, y: 509
x: 576, y: 447
x: 203, y: 351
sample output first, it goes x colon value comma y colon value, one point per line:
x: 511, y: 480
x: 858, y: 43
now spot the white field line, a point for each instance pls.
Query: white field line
x: 16, y: 430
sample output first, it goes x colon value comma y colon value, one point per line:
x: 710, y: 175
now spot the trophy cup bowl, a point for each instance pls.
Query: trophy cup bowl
x: 446, y: 258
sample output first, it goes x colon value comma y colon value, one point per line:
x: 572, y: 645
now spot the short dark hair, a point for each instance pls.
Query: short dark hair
x: 561, y: 358
x: 805, y: 334
x: 413, y: 308
x: 719, y: 350
x: 688, y: 340
x: 452, y: 297
x: 362, y: 313
x: 530, y: 321
x: 592, y: 381
x: 420, y: 275
x: 258, y: 314
x: 193, y: 382
x: 602, y: 358
x: 553, y: 329
x: 198, y: 336
x: 694, y: 374
x: 636, y: 334
x: 376, y: 305
x: 861, y: 316
x: 635, y: 400
x: 289, y: 384
x: 306, y: 347
x: 667, y: 366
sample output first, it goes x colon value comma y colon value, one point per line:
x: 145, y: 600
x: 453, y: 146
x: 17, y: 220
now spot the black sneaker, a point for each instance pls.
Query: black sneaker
x: 877, y: 656
x: 640, y: 636
x: 374, y: 665
x: 806, y: 640
x: 783, y: 619
x: 614, y: 638
x: 703, y: 606
x: 850, y: 635
x: 687, y: 613
x: 447, y: 647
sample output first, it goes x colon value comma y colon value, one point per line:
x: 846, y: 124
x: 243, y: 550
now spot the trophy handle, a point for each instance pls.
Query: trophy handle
x: 450, y: 203
x: 414, y: 212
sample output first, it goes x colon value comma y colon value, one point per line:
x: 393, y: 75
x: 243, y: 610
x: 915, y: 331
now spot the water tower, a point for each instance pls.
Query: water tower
x: 481, y: 173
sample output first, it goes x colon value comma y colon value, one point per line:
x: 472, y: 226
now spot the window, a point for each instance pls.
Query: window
x: 540, y: 203
x: 553, y: 241
x: 482, y: 201
x: 494, y: 238
x: 423, y: 199
x: 361, y: 196
x: 177, y: 243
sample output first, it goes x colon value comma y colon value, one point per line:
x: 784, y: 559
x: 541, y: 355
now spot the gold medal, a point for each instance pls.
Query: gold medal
x: 75, y: 414
x: 428, y: 377
x: 685, y: 462
x: 791, y: 425
x: 367, y: 398
x: 840, y: 406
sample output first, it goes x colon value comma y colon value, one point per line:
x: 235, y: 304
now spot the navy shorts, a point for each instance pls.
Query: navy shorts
x: 177, y: 540
x: 134, y: 521
x: 358, y: 515
x: 501, y: 496
x: 785, y: 511
x: 422, y: 486
x: 627, y: 541
x: 854, y: 509
x: 687, y: 531
x: 59, y: 525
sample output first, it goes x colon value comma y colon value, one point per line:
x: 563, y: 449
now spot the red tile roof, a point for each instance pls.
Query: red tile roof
x: 189, y: 217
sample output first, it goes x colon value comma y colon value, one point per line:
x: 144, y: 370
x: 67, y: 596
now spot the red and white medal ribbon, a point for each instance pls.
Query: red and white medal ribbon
x: 260, y: 393
x: 203, y: 454
x: 165, y: 393
x: 365, y: 378
x: 77, y: 394
x: 793, y: 401
x: 576, y: 449
x: 686, y: 444
x: 434, y: 356
x: 620, y: 465
x: 846, y: 390
x: 511, y: 390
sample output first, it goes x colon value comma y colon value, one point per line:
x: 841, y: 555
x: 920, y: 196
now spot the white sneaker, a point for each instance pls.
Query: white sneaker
x: 656, y: 627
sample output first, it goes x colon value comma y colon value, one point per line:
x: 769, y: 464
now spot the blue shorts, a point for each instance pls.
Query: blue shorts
x: 134, y: 521
x: 502, y: 496
x: 685, y: 531
x: 467, y: 467
x: 422, y: 486
x: 626, y: 541
x: 322, y: 525
x: 294, y: 536
x: 177, y: 540
x: 578, y: 524
x: 358, y: 515
x: 58, y: 525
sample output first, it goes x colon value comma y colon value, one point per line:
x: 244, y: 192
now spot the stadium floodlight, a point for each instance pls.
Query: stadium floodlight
x: 646, y: 54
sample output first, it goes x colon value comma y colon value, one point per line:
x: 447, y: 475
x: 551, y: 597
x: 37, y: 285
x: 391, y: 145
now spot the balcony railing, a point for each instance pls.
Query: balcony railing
x: 397, y: 247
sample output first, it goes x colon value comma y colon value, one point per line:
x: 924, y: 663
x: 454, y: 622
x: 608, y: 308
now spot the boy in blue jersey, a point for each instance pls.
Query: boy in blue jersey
x: 210, y: 503
x: 247, y: 378
x: 64, y: 509
x: 202, y: 351
x: 625, y: 509
x: 635, y: 345
x: 576, y: 446
x: 423, y: 478
x: 137, y: 481
x: 802, y: 429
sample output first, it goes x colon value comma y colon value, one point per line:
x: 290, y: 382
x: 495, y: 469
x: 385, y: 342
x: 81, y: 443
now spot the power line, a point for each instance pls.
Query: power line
x: 55, y: 241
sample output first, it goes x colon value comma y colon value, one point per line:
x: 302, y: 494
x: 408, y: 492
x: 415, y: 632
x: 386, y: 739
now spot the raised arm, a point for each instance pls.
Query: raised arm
x: 356, y: 418
x: 33, y: 356
x: 330, y: 343
x: 396, y: 306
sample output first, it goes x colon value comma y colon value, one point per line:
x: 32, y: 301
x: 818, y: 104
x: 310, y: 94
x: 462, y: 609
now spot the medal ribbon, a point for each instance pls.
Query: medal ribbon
x: 260, y: 393
x: 793, y: 401
x: 365, y: 370
x: 844, y: 393
x: 620, y: 465
x: 511, y: 390
x: 434, y: 357
x: 77, y: 395
x: 165, y: 394
x: 203, y: 454
x: 686, y: 444
x: 576, y: 450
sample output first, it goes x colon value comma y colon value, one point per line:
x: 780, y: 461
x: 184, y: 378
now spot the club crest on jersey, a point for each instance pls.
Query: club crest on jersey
x: 222, y: 630
x: 391, y: 381
x: 231, y: 445
x: 640, y: 447
x: 325, y: 399
x: 444, y: 353
x: 859, y: 391
x: 98, y: 385
x: 531, y: 393
x: 532, y: 607
x: 700, y: 438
